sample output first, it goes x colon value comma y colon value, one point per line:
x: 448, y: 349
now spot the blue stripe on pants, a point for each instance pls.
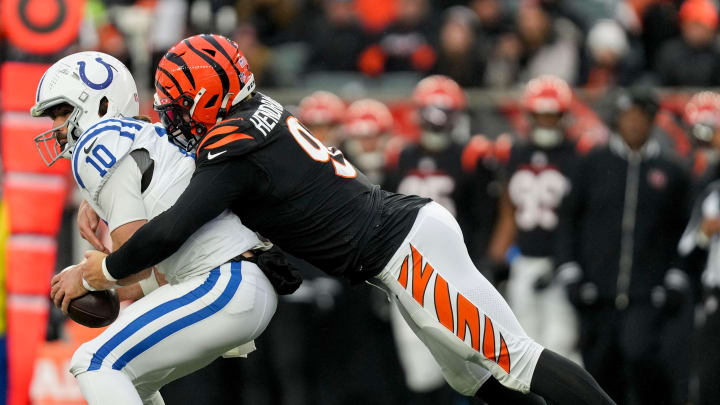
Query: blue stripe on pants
x: 195, y: 317
x: 150, y: 316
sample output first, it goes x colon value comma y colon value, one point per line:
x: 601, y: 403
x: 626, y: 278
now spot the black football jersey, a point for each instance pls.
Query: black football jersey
x: 305, y: 197
x: 464, y: 191
x: 537, y: 181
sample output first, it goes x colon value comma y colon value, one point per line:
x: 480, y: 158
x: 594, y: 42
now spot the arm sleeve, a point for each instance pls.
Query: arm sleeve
x: 212, y: 189
x: 120, y: 197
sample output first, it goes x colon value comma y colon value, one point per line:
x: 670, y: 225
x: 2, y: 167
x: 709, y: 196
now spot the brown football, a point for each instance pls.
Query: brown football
x: 95, y: 309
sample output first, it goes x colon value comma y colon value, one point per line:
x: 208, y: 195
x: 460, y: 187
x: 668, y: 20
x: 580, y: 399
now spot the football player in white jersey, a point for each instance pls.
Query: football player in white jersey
x: 128, y: 172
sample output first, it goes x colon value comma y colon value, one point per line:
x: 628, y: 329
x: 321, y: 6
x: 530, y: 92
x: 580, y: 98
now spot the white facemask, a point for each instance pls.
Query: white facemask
x: 546, y: 137
x: 434, y: 141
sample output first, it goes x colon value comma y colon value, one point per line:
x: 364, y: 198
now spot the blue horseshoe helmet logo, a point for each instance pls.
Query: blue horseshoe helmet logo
x: 92, y: 85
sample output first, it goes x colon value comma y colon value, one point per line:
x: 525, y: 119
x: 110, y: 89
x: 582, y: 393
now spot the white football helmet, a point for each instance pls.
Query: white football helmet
x: 82, y: 80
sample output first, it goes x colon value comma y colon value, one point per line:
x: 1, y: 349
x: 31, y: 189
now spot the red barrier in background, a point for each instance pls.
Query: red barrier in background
x: 27, y: 318
x: 19, y: 82
x: 35, y: 202
x: 42, y: 26
x: 34, y: 194
x: 29, y: 259
x: 19, y: 152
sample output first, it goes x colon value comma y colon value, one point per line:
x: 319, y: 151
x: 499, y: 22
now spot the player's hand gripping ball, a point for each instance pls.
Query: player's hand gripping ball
x: 94, y: 309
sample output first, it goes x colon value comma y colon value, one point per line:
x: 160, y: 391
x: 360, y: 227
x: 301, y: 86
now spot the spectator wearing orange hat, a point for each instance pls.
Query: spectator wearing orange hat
x: 693, y: 59
x: 406, y: 45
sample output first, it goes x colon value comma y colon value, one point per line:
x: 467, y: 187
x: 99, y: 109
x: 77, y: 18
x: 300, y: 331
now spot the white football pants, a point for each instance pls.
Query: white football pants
x: 467, y: 325
x: 175, y: 330
x: 422, y: 372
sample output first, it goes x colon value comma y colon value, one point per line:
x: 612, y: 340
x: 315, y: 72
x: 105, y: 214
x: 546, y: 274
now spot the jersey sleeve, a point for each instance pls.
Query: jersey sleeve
x: 226, y: 140
x: 98, y: 151
x: 120, y: 198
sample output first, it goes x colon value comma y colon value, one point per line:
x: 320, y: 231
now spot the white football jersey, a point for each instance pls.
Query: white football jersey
x: 101, y: 150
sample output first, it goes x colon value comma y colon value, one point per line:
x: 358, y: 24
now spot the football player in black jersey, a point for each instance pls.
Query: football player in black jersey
x: 537, y: 178
x: 259, y: 161
x: 435, y: 167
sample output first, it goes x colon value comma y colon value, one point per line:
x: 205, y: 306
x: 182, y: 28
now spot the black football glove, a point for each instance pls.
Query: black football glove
x: 283, y: 275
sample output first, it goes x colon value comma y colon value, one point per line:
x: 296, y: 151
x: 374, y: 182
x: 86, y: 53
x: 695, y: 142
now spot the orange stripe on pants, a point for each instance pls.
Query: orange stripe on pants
x: 468, y: 317
x: 421, y: 276
x: 489, y: 339
x: 403, y: 277
x: 443, y: 308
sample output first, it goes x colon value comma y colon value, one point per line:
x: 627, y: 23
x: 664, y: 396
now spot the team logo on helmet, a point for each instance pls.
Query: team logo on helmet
x: 90, y: 83
x: 91, y: 86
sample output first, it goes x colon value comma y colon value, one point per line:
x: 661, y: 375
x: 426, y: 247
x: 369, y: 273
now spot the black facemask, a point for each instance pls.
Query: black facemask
x: 181, y: 129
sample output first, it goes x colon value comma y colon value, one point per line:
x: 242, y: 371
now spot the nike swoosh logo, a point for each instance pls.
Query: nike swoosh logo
x: 211, y: 156
x: 88, y: 148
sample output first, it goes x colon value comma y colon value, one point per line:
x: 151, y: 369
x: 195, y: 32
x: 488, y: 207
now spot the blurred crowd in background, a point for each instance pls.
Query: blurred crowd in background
x: 591, y: 44
x: 575, y: 141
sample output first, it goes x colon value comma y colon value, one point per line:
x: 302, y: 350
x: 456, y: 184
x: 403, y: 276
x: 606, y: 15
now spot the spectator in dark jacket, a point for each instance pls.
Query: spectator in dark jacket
x: 616, y: 247
x: 694, y: 58
x: 459, y: 55
x: 542, y: 45
x: 337, y: 38
x: 493, y: 16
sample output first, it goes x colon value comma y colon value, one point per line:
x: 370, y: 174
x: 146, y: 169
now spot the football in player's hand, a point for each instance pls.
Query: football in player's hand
x: 95, y: 309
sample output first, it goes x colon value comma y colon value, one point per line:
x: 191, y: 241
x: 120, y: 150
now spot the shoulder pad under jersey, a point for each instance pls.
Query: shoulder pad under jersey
x: 98, y: 150
x: 229, y: 138
x: 260, y: 121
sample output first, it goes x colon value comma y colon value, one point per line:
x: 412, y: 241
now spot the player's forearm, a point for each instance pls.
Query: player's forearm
x: 505, y: 230
x: 207, y: 196
x: 134, y: 278
x: 132, y: 292
x: 151, y: 244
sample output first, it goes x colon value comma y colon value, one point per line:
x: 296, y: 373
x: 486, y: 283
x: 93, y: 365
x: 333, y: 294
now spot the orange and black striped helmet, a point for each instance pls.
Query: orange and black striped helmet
x: 196, y: 83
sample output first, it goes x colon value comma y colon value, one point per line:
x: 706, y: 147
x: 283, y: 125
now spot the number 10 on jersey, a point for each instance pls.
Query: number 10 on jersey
x: 319, y: 152
x: 105, y: 158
